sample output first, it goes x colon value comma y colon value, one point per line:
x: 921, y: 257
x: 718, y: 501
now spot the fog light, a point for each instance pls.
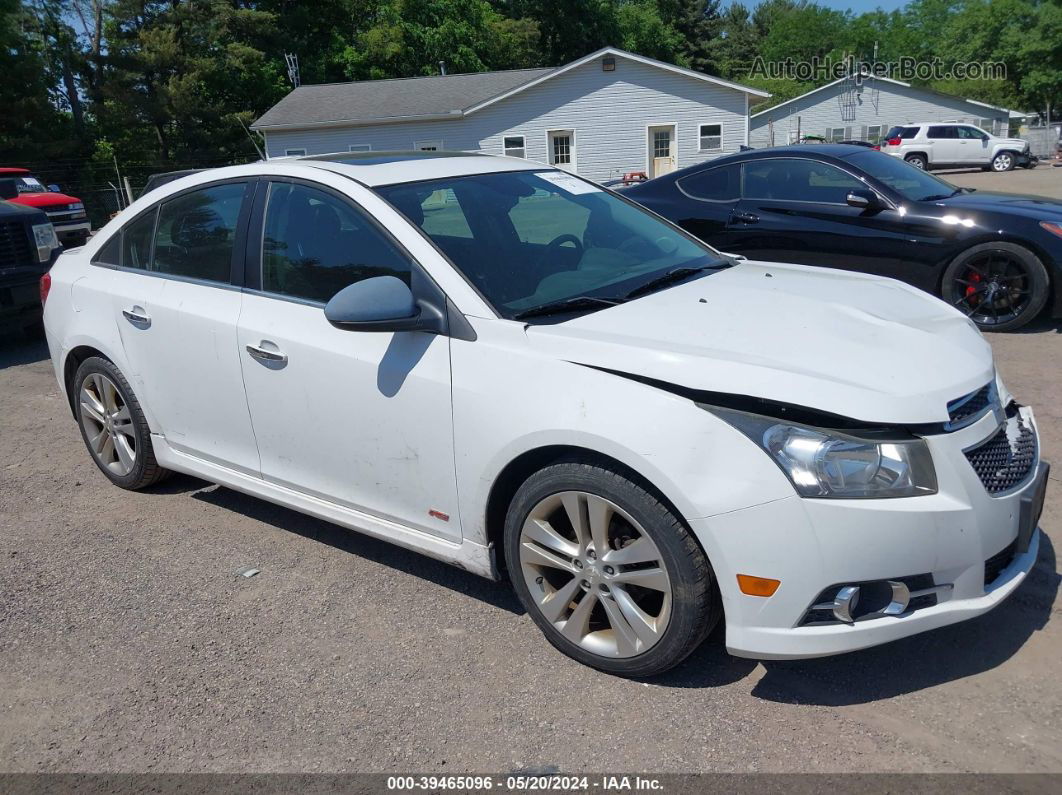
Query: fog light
x: 757, y: 586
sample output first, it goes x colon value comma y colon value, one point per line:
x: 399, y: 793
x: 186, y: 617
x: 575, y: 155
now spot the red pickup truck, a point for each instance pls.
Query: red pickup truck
x: 67, y: 213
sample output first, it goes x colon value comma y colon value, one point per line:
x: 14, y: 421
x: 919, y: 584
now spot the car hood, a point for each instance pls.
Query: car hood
x: 1040, y: 206
x: 47, y: 199
x: 870, y: 349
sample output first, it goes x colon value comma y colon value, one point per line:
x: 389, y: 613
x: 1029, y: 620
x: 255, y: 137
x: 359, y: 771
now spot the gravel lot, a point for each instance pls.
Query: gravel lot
x: 127, y: 643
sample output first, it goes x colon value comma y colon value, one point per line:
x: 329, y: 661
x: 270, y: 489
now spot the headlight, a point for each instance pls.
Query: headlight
x: 76, y: 206
x: 45, y: 240
x: 826, y: 463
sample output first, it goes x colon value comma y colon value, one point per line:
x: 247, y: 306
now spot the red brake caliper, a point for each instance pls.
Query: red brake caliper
x: 970, y: 289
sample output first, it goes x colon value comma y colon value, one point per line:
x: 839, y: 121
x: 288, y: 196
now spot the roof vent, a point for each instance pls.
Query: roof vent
x: 608, y: 64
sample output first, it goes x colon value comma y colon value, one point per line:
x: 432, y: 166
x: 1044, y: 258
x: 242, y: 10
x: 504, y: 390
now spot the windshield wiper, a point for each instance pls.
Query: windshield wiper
x: 672, y: 276
x: 573, y: 304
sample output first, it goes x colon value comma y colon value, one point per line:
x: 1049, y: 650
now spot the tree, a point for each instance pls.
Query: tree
x: 700, y: 24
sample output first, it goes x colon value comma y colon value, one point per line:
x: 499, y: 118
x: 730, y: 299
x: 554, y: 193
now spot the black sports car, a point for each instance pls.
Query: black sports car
x: 997, y: 257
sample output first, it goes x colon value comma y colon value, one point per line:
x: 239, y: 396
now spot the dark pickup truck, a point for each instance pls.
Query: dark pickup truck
x: 28, y: 247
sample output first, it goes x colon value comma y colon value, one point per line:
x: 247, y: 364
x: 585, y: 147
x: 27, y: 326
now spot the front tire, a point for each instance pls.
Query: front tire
x: 609, y: 574
x: 1004, y: 161
x: 999, y: 286
x: 113, y: 425
x: 918, y: 161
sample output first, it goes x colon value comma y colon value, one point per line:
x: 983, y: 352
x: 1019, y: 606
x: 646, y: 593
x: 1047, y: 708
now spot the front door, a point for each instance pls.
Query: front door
x: 360, y: 419
x: 662, y: 155
x: 176, y: 310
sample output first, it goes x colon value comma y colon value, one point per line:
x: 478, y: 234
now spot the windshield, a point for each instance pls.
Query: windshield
x: 526, y: 239
x: 29, y: 185
x: 910, y: 182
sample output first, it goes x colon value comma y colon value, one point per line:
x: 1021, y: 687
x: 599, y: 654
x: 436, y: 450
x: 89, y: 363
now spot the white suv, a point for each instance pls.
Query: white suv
x: 949, y: 145
x: 508, y: 368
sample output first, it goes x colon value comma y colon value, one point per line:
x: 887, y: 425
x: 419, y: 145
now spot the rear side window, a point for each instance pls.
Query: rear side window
x: 941, y: 132
x: 136, y: 241
x: 315, y: 244
x: 197, y: 233
x: 713, y: 184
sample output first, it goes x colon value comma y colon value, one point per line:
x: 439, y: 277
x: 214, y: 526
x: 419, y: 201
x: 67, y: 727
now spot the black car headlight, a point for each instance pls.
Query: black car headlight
x: 822, y: 462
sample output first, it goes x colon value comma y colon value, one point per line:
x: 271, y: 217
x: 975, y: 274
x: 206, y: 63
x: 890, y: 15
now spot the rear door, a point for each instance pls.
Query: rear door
x: 795, y: 210
x: 944, y: 144
x: 176, y: 308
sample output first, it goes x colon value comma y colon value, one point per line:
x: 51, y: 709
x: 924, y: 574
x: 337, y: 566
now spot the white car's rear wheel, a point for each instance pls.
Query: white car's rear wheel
x: 607, y: 571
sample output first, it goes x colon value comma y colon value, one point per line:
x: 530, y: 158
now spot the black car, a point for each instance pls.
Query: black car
x: 997, y: 257
x: 28, y: 247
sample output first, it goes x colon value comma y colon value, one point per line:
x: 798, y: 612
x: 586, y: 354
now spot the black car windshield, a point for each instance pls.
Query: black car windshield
x: 910, y: 182
x: 526, y: 239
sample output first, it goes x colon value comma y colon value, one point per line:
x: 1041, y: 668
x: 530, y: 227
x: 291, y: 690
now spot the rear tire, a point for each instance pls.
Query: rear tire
x: 1020, y: 292
x: 582, y: 591
x: 918, y: 161
x: 113, y: 425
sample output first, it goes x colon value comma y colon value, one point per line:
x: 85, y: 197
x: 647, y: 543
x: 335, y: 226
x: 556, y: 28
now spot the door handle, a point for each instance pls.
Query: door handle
x: 266, y: 355
x: 137, y: 317
x: 745, y: 218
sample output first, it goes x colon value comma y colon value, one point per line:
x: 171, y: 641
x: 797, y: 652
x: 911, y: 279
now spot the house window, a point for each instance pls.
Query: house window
x: 835, y: 134
x: 294, y: 153
x: 711, y: 137
x: 359, y: 148
x: 560, y: 148
x: 874, y: 133
x: 514, y: 146
x: 428, y: 146
x: 988, y: 125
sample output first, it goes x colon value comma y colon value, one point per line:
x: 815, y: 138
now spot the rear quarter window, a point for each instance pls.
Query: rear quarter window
x: 713, y: 184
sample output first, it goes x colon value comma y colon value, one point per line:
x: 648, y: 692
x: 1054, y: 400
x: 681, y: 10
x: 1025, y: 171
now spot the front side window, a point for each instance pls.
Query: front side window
x: 798, y: 180
x: 711, y: 137
x: 548, y: 236
x: 714, y: 184
x: 28, y: 184
x: 197, y: 233
x: 514, y: 146
x: 971, y: 133
x: 136, y: 241
x: 912, y: 183
x: 314, y: 244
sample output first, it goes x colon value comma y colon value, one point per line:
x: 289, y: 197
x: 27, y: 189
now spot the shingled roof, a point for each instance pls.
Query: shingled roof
x: 438, y: 97
x: 392, y: 100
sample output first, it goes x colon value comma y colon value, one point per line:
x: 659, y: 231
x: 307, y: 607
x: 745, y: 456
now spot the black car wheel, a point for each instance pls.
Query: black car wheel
x: 999, y: 286
x: 918, y: 161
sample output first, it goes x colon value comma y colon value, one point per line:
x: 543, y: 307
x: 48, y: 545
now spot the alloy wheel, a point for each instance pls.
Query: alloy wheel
x: 1003, y: 162
x: 108, y: 424
x: 595, y: 574
x: 992, y: 288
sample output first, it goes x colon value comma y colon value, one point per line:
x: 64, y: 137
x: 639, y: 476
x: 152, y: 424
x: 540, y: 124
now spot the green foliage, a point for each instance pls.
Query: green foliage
x: 159, y: 84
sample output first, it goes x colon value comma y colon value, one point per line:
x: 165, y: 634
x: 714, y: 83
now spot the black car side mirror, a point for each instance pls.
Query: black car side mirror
x: 8, y: 189
x: 382, y: 303
x: 863, y: 199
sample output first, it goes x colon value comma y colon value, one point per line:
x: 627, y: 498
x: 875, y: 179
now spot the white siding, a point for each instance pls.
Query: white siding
x: 892, y: 105
x: 609, y: 112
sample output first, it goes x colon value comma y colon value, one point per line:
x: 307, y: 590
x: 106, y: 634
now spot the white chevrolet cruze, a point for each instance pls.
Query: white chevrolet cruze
x: 508, y: 368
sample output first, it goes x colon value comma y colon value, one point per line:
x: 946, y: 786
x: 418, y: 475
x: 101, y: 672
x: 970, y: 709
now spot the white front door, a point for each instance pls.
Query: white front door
x: 662, y: 155
x: 562, y: 149
x: 358, y: 418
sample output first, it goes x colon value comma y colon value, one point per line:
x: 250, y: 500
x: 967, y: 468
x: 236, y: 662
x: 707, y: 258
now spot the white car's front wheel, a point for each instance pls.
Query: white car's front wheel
x: 1004, y: 161
x: 610, y: 575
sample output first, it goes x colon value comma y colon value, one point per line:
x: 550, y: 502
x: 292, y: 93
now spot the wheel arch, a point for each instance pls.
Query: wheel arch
x: 74, y: 357
x: 520, y: 468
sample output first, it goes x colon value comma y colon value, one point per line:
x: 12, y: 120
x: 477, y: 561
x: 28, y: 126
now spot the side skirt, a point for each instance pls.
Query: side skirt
x: 466, y: 555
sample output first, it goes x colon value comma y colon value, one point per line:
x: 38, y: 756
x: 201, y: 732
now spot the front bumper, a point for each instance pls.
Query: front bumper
x: 813, y: 544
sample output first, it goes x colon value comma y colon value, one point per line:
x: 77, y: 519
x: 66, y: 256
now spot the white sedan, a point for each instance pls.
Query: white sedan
x: 508, y: 368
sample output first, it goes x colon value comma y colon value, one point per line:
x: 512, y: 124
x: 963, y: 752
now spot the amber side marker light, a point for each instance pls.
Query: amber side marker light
x: 757, y: 586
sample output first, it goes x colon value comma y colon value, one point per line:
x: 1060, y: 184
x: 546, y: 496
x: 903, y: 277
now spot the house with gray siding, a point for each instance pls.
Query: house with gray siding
x: 865, y: 110
x: 606, y: 114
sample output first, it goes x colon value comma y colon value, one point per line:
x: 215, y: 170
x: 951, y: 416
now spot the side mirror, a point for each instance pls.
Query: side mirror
x: 863, y: 199
x: 53, y: 188
x: 382, y: 303
x: 984, y: 137
x: 8, y: 189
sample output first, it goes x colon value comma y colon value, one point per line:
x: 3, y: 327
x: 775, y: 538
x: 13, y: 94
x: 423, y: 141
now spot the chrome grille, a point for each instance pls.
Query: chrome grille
x: 1003, y: 463
x: 965, y: 410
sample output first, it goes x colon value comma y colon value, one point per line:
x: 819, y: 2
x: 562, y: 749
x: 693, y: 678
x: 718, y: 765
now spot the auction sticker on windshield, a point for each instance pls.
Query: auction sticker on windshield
x: 567, y: 182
